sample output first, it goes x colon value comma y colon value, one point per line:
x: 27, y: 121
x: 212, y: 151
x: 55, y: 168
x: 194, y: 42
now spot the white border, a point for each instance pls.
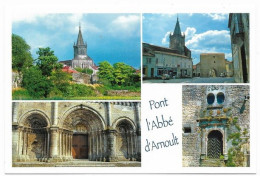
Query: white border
x: 125, y: 6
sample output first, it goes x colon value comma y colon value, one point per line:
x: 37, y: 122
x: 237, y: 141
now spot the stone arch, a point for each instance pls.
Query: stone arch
x: 82, y: 110
x: 126, y: 119
x: 33, y: 135
x: 87, y: 127
x: 38, y: 113
x: 125, y: 138
x: 215, y: 143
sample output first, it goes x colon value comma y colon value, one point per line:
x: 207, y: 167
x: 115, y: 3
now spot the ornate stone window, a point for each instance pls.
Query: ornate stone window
x: 210, y: 98
x: 220, y: 98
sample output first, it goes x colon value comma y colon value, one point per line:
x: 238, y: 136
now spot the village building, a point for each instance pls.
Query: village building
x: 65, y: 131
x: 239, y: 31
x: 216, y: 123
x: 81, y: 58
x: 212, y: 64
x: 175, y: 61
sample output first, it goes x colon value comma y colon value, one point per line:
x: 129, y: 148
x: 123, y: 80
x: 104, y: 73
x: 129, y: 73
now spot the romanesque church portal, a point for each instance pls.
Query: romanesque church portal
x: 62, y: 131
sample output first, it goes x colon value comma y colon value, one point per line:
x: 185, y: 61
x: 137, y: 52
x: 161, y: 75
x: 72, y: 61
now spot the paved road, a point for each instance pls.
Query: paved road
x: 194, y: 80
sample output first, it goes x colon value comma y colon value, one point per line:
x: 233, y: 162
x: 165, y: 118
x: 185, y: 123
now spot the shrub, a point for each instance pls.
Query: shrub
x: 19, y: 94
x: 37, y: 85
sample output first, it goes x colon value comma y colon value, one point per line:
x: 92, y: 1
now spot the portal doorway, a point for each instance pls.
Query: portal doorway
x: 215, y: 144
x: 80, y: 146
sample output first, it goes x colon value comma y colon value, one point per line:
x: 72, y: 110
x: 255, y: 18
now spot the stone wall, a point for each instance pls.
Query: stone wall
x: 16, y: 80
x: 210, y: 62
x: 196, y: 111
x: 81, y: 78
x: 43, y: 131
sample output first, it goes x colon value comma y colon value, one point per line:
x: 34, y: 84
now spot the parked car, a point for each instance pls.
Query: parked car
x: 166, y: 76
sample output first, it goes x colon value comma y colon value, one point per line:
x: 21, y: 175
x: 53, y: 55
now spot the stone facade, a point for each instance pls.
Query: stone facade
x: 239, y: 30
x: 208, y: 115
x: 175, y: 61
x: 62, y: 131
x: 212, y: 64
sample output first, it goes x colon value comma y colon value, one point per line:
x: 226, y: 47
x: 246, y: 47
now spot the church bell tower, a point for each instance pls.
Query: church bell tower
x: 177, y: 39
x: 80, y: 48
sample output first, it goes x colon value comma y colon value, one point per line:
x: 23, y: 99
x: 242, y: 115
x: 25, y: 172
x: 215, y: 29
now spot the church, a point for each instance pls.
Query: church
x: 81, y: 58
x: 58, y: 132
x: 174, y: 60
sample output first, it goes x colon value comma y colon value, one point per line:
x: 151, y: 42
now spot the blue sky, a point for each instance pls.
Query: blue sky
x: 111, y: 37
x: 205, y: 33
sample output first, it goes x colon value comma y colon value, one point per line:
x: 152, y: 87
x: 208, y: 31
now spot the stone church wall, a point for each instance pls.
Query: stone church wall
x: 44, y: 131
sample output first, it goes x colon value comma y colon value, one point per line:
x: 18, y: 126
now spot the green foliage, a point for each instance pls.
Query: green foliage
x: 79, y: 90
x: 21, y: 94
x: 235, y: 155
x: 47, y: 61
x: 60, y: 81
x: 118, y: 75
x: 105, y: 72
x: 36, y: 84
x: 84, y: 70
x: 221, y: 157
x: 21, y: 56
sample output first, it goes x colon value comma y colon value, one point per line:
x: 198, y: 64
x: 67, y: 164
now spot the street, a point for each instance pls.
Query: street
x: 193, y: 80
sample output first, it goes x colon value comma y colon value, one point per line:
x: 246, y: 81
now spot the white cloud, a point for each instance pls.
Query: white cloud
x: 165, y: 39
x: 189, y: 32
x: 211, y: 37
x: 125, y: 25
x: 217, y: 16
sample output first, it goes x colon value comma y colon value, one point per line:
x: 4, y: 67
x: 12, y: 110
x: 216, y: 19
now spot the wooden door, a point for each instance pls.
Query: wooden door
x: 80, y: 146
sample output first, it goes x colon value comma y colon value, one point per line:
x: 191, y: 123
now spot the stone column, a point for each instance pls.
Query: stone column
x: 132, y: 145
x: 135, y: 146
x: 138, y: 133
x: 14, y: 111
x: 66, y: 144
x: 54, y: 113
x: 48, y: 143
x: 21, y: 134
x: 225, y: 150
x: 63, y: 143
x: 203, y: 144
x: 25, y: 142
x: 101, y: 146
x: 90, y: 146
x: 94, y: 146
x: 127, y: 135
x: 108, y: 113
x: 15, y: 142
x: 137, y: 115
x: 54, y: 143
x: 111, y: 145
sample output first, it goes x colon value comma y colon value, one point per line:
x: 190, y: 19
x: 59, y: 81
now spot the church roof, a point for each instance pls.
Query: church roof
x: 177, y: 29
x: 80, y: 38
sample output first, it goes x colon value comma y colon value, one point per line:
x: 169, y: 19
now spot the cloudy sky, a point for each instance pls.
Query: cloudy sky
x: 111, y: 37
x: 205, y: 33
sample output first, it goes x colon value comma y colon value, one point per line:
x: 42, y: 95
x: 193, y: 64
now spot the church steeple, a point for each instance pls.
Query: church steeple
x: 177, y: 29
x: 177, y: 40
x: 80, y: 48
x: 80, y: 38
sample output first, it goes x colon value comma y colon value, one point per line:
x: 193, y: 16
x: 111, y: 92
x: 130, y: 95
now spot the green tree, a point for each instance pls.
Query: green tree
x: 60, y: 80
x: 122, y: 73
x: 37, y: 85
x: 21, y: 56
x: 87, y: 71
x: 105, y: 72
x: 47, y: 61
